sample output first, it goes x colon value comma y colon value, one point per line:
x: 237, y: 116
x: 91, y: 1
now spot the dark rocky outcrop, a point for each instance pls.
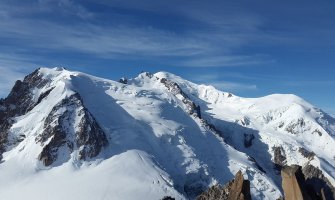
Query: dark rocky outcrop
x: 307, y: 154
x: 316, y: 181
x: 236, y: 189
x: 317, y: 131
x: 279, y: 157
x: 306, y: 183
x: 294, y: 125
x: 123, y: 80
x: 175, y: 89
x: 245, y: 121
x: 43, y: 95
x: 216, y: 192
x: 71, y: 125
x: 19, y: 101
x: 281, y: 125
x: 192, y: 107
x: 147, y: 74
x: 168, y: 198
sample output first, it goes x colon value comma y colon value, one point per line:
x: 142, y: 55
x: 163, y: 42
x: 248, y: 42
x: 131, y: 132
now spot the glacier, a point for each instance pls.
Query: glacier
x: 161, y: 135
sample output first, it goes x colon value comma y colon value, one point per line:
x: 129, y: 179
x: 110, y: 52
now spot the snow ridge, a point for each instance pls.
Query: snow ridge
x: 151, y: 136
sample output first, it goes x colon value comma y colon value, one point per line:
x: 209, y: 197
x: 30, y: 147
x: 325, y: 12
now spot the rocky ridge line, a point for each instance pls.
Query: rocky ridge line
x: 19, y: 102
x: 69, y: 124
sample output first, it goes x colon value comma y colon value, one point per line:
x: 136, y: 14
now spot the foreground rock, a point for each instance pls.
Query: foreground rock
x: 236, y: 189
x: 306, y: 183
x: 293, y: 183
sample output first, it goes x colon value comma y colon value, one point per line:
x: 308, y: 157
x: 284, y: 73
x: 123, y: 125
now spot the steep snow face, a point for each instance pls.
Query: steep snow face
x: 156, y: 135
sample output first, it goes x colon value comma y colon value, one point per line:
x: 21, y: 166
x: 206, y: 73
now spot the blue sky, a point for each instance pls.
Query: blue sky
x: 250, y: 48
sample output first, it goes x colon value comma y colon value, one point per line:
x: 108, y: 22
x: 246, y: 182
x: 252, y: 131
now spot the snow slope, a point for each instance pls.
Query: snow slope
x: 158, y: 143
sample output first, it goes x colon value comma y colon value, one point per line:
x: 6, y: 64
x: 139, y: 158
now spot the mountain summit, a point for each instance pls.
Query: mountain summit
x: 69, y: 135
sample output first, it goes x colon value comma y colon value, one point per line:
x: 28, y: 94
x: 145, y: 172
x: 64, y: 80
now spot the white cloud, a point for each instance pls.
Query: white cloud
x: 308, y: 83
x: 227, y: 60
x: 215, y: 80
x: 232, y: 86
x: 128, y: 40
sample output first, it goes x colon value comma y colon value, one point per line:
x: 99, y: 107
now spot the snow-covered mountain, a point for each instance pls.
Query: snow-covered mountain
x: 69, y: 135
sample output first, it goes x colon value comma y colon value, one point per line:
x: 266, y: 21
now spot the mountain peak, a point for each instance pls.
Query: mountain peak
x: 159, y: 133
x: 51, y: 73
x: 164, y: 74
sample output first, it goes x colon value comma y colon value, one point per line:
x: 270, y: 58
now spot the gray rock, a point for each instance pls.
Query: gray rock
x: 306, y: 183
x: 236, y: 189
x: 123, y: 80
x: 279, y: 157
x: 88, y: 137
x: 307, y: 154
x: 19, y: 102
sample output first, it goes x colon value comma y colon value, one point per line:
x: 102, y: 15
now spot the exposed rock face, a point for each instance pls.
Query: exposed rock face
x: 240, y: 188
x: 293, y: 183
x: 316, y: 181
x: 301, y: 125
x: 19, y: 102
x: 168, y: 198
x: 216, y: 192
x: 70, y: 125
x: 307, y: 154
x: 237, y: 189
x: 123, y: 80
x: 279, y: 157
x: 294, y: 126
x: 192, y: 108
x: 305, y: 184
x: 175, y: 89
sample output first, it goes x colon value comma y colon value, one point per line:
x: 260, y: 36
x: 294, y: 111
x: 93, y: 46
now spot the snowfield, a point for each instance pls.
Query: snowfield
x: 157, y: 146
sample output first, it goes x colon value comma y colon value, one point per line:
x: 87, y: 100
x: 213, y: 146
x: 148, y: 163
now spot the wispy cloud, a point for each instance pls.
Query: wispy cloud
x: 68, y: 7
x: 232, y: 86
x: 308, y: 83
x: 215, y: 80
x: 208, y: 34
x: 211, y: 44
x: 227, y: 60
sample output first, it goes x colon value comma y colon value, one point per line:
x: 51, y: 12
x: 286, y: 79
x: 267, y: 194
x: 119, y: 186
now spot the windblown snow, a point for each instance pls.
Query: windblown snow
x: 158, y: 145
